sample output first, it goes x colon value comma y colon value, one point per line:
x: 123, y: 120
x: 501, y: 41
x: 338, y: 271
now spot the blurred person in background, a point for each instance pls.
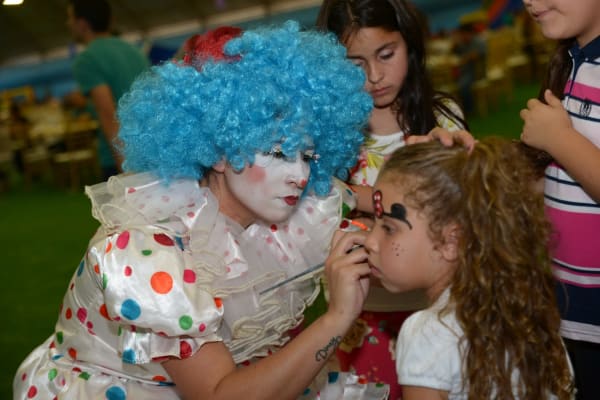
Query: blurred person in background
x: 104, y: 71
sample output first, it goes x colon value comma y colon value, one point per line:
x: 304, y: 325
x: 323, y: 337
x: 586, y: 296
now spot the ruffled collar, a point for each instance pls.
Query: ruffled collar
x: 232, y: 263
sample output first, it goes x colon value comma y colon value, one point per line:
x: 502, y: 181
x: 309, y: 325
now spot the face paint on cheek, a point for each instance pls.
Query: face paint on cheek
x: 398, y: 210
x: 256, y: 174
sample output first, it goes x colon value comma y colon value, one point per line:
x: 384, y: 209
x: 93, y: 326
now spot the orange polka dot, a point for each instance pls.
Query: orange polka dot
x: 218, y: 302
x: 161, y: 282
x: 159, y: 378
x: 73, y: 353
x: 108, y: 247
x: 97, y: 268
x: 104, y: 311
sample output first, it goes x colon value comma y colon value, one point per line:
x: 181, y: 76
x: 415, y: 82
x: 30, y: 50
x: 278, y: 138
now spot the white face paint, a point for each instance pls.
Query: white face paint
x: 270, y: 189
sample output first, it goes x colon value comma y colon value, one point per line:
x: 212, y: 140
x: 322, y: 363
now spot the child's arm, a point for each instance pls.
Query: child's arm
x: 212, y: 374
x: 423, y: 393
x: 548, y: 127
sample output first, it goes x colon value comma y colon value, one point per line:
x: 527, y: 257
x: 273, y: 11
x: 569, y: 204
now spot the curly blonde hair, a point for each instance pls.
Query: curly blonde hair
x: 503, y: 289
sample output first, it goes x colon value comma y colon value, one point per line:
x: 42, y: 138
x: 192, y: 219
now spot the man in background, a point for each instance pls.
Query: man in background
x: 104, y: 71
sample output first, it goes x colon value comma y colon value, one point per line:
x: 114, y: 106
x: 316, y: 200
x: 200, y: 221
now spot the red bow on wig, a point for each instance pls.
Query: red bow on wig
x: 209, y: 46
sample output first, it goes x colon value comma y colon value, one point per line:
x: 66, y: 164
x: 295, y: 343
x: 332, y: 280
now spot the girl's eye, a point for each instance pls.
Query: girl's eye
x: 357, y: 62
x: 387, y: 229
x: 387, y: 55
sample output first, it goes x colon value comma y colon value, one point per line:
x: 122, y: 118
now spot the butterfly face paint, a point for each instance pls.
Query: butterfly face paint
x: 398, y: 210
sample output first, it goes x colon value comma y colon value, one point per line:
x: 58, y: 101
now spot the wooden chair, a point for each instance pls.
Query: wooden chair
x: 79, y: 158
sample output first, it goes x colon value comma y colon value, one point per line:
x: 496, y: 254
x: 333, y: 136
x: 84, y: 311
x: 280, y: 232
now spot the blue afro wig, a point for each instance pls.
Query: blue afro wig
x: 278, y: 85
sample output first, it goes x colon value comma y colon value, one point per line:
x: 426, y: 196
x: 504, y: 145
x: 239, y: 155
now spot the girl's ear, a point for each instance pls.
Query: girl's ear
x: 451, y: 236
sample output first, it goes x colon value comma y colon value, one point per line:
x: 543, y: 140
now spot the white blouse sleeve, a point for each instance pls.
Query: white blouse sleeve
x: 427, y: 353
x: 150, y: 289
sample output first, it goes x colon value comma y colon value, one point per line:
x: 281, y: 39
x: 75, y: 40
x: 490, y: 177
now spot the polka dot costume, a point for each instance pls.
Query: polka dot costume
x: 166, y: 273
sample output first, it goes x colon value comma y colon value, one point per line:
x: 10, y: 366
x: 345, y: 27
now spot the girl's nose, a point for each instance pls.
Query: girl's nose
x: 374, y: 74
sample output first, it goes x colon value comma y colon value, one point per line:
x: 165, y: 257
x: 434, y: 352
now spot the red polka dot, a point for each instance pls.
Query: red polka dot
x: 127, y: 271
x: 191, y: 205
x: 131, y: 190
x: 72, y: 286
x: 73, y: 353
x: 273, y: 228
x: 159, y: 378
x: 32, y: 392
x: 189, y: 276
x: 89, y: 325
x: 218, y: 302
x: 202, y: 328
x: 123, y: 240
x: 344, y: 224
x: 82, y: 314
x: 163, y: 239
x: 185, y: 350
x: 68, y: 313
x: 97, y: 269
x: 24, y: 376
x: 161, y: 282
x: 191, y: 214
x: 108, y: 247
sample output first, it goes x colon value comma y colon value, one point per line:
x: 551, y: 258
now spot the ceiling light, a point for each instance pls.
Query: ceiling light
x: 12, y: 2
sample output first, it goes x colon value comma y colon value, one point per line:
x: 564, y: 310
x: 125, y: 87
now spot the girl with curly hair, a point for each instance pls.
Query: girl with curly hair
x: 469, y: 229
x: 210, y: 249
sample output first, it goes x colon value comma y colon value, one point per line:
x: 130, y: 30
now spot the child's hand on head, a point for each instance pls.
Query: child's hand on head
x: 446, y: 137
x: 545, y: 125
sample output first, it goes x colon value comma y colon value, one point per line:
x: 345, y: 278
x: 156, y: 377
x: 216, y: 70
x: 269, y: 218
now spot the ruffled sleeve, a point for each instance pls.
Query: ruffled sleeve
x: 151, y: 291
x: 144, y: 270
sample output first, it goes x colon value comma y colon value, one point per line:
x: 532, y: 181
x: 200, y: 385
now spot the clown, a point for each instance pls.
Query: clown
x: 188, y: 288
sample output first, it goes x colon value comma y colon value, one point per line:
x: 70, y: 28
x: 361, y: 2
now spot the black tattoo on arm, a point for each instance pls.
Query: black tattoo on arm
x: 326, y: 351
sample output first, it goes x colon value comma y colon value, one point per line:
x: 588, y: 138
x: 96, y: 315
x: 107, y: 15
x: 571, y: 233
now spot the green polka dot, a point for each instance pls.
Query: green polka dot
x: 52, y: 374
x: 59, y: 337
x: 146, y: 252
x: 84, y: 375
x: 185, y: 322
x: 120, y: 331
x: 104, y: 281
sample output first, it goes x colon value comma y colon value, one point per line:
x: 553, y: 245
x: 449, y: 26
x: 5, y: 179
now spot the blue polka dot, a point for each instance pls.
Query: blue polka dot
x: 332, y: 377
x: 130, y: 309
x: 306, y: 392
x: 129, y: 356
x: 179, y: 242
x: 80, y: 268
x: 115, y: 393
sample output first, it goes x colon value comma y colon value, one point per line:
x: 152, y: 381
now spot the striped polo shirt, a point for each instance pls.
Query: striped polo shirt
x: 574, y: 215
